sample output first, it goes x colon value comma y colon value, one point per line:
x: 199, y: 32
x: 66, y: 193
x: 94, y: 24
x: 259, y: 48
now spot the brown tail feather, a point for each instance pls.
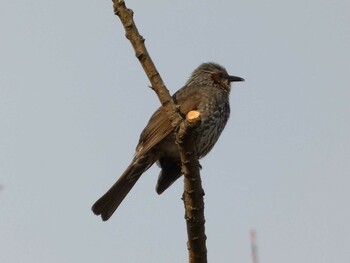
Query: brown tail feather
x: 109, y: 202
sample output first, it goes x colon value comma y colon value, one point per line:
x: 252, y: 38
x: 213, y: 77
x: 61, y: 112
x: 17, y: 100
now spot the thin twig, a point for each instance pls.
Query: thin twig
x: 254, y: 246
x: 138, y: 42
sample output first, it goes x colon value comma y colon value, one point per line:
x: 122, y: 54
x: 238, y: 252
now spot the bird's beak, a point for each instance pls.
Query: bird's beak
x: 234, y: 79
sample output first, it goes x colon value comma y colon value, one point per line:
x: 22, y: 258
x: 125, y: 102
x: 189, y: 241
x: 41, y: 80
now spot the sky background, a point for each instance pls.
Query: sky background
x: 74, y: 99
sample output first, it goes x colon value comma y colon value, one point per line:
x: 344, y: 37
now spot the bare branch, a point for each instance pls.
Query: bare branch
x: 193, y: 193
x: 138, y: 42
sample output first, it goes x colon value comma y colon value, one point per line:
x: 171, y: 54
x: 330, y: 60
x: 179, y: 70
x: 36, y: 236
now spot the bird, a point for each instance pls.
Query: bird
x: 206, y: 91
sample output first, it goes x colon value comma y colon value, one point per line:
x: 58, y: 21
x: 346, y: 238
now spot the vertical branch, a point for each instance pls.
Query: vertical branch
x: 193, y: 193
x: 254, y: 246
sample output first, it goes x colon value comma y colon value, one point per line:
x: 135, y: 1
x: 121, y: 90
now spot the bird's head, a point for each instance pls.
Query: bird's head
x: 212, y: 74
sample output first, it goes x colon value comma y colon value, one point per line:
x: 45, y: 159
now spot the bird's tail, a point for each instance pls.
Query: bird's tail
x: 109, y: 202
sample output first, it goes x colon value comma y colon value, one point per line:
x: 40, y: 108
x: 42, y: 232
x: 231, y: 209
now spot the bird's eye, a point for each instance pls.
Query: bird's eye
x: 221, y: 75
x: 216, y: 77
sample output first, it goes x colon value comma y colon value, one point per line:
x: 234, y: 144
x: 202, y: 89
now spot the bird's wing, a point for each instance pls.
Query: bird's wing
x: 159, y: 126
x: 157, y: 129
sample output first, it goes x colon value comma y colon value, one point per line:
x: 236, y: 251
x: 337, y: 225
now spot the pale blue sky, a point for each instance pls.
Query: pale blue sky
x: 73, y: 100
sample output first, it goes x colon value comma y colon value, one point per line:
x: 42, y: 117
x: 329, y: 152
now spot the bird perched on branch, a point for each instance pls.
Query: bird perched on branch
x: 206, y: 91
